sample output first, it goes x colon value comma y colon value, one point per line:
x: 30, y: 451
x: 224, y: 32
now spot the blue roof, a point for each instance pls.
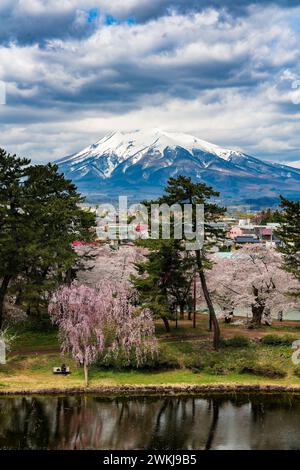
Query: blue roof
x: 246, y: 240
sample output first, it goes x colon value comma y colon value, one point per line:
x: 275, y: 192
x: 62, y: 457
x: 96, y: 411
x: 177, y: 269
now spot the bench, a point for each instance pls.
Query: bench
x: 58, y: 370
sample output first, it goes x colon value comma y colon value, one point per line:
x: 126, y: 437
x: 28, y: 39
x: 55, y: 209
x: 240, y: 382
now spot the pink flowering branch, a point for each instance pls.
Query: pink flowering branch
x: 101, y: 323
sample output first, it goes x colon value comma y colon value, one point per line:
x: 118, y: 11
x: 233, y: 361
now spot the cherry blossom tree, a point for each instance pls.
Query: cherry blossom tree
x: 109, y: 265
x: 253, y: 277
x: 101, y: 323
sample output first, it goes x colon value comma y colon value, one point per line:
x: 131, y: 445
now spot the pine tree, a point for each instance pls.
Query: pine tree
x: 40, y: 216
x: 289, y: 234
x: 182, y: 190
x: 164, y: 279
x: 13, y: 230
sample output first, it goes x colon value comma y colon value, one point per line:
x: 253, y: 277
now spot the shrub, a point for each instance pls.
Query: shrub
x: 216, y: 370
x: 264, y: 371
x: 276, y: 340
x: 41, y: 324
x: 162, y: 361
x: 195, y: 364
x: 210, y: 365
x: 297, y: 372
x: 237, y: 341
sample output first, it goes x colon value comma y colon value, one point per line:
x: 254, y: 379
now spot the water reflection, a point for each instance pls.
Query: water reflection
x: 89, y: 422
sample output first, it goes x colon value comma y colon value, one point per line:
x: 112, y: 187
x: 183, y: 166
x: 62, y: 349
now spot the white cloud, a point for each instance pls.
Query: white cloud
x: 207, y: 73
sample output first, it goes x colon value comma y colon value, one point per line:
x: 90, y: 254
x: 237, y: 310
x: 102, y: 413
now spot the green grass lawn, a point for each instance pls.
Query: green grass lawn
x: 186, y: 357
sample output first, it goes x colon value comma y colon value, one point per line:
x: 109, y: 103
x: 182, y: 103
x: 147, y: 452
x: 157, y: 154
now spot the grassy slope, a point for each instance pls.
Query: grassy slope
x: 30, y: 363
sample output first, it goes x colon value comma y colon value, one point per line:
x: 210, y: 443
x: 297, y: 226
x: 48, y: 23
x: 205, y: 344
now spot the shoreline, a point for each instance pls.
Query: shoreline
x: 164, y: 390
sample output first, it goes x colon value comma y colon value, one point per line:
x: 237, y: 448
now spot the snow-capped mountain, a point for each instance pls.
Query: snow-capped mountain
x: 139, y: 163
x: 294, y: 164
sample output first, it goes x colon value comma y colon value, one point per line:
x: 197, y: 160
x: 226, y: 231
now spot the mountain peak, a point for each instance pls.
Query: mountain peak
x: 127, y: 144
x: 131, y: 161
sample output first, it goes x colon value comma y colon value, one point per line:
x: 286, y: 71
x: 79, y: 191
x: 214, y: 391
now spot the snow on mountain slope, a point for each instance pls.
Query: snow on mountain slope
x: 133, y: 145
x: 140, y: 162
x: 294, y: 164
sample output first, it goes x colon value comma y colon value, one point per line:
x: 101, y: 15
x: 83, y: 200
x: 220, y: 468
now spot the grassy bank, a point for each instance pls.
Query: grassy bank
x: 246, y: 357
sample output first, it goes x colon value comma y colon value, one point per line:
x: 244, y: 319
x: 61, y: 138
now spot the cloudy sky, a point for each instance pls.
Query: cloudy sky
x: 225, y: 71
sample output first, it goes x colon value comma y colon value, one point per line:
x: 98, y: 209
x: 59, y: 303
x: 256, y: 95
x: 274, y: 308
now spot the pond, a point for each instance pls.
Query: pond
x: 203, y: 422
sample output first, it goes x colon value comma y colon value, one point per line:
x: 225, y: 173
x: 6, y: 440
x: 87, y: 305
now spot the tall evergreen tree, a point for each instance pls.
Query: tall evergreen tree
x: 289, y: 234
x: 164, y: 279
x: 14, y: 233
x: 40, y: 216
x: 55, y: 220
x: 182, y: 190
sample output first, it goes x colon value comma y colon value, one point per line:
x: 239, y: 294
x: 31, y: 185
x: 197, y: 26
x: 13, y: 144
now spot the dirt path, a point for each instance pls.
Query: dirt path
x: 31, y: 352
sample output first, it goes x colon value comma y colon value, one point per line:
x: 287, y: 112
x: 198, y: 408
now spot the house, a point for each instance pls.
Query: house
x: 235, y: 232
x: 245, y: 239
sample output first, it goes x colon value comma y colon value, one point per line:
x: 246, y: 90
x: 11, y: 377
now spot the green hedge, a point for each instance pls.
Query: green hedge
x: 276, y: 340
x: 264, y: 371
x: 237, y: 341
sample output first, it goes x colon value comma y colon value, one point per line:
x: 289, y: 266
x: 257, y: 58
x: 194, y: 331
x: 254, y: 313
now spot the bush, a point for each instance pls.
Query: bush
x: 41, y: 324
x: 264, y: 371
x: 195, y: 364
x: 297, y: 372
x: 161, y: 361
x: 276, y: 340
x: 237, y: 341
x: 209, y: 365
x: 216, y: 370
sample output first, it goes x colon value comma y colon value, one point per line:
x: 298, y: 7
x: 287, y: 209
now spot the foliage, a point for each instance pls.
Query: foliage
x: 110, y: 265
x: 289, y: 234
x: 297, y: 372
x: 39, y: 218
x: 163, y: 360
x: 237, y: 341
x: 164, y: 281
x: 101, y: 323
x: 253, y: 277
x: 8, y: 337
x: 264, y: 371
x: 276, y: 340
x: 182, y: 191
x: 268, y: 216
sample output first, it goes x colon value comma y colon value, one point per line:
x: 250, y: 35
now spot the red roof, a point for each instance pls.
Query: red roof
x: 267, y: 231
x: 79, y: 243
x: 140, y: 227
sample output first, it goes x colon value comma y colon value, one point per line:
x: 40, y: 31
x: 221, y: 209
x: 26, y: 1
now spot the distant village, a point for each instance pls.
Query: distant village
x: 238, y: 229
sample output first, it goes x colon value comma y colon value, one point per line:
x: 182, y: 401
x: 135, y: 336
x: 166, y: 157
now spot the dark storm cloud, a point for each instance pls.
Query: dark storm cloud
x: 192, y: 61
x: 144, y: 11
x: 20, y: 22
x: 36, y: 21
x: 121, y: 65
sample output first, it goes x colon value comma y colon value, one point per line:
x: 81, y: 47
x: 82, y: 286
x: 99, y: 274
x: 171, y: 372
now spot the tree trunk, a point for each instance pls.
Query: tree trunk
x: 19, y: 297
x: 3, y: 292
x: 181, y: 308
x: 167, y: 324
x: 194, y: 302
x: 257, y: 313
x: 69, y: 277
x: 86, y: 375
x: 210, y: 323
x: 212, y: 313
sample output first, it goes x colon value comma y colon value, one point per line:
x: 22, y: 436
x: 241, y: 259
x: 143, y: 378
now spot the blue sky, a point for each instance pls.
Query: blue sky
x: 225, y: 71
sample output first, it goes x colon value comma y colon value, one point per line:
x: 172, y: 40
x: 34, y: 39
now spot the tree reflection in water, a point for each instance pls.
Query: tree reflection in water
x: 88, y: 422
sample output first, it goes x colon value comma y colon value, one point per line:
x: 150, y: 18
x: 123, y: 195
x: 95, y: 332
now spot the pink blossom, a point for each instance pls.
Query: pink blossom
x: 102, y: 323
x: 253, y: 275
